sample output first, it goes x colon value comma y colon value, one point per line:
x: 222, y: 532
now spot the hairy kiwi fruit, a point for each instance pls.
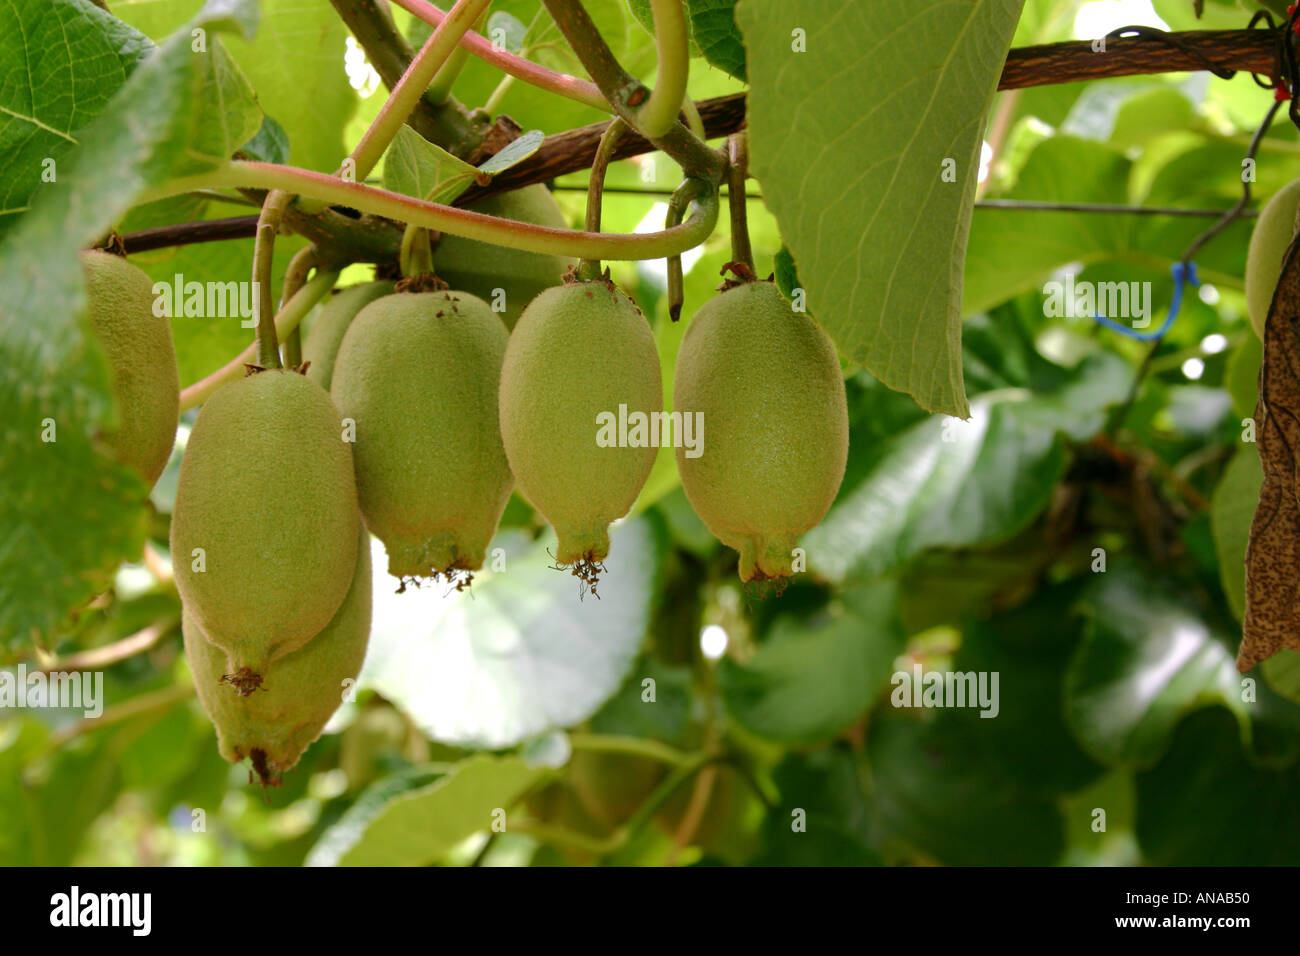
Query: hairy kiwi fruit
x: 481, y: 268
x: 581, y: 354
x: 263, y: 534
x: 767, y: 384
x: 418, y: 374
x: 321, y: 347
x: 1273, y: 232
x: 301, y: 690
x: 142, y: 358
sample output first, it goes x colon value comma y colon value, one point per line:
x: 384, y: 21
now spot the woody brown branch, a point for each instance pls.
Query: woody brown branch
x: 574, y: 150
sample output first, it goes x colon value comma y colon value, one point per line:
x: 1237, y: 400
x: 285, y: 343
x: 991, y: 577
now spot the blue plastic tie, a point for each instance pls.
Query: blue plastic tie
x: 1181, y: 276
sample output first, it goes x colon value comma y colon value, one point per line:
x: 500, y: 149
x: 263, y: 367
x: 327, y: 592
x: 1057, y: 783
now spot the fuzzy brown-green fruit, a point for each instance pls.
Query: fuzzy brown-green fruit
x: 142, y: 359
x: 418, y: 374
x: 766, y: 384
x: 276, y: 723
x: 581, y: 360
x: 264, y: 530
x: 1268, y: 243
x: 321, y: 347
x: 481, y: 268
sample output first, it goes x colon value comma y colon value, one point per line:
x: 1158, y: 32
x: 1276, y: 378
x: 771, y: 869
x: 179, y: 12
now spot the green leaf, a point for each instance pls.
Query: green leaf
x: 1030, y: 648
x: 416, y: 167
x: 63, y: 60
x: 1241, y: 377
x: 1282, y: 671
x: 1231, y: 511
x: 506, y: 31
x: 69, y: 511
x: 951, y: 484
x: 517, y: 654
x: 351, y: 828
x: 270, y: 144
x: 787, y: 278
x: 879, y: 236
x: 822, y: 793
x: 1146, y: 661
x: 935, y: 788
x: 629, y: 714
x: 515, y: 152
x: 420, y: 826
x: 714, y: 30
x: 1205, y: 804
x: 812, y: 677
x: 1012, y: 251
x: 295, y: 62
x: 226, y: 116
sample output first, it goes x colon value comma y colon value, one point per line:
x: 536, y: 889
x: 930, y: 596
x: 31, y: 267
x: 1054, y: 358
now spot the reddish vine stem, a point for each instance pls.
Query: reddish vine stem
x: 574, y: 150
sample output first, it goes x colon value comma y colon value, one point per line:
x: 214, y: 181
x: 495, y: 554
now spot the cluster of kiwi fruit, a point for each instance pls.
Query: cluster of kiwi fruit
x: 413, y: 417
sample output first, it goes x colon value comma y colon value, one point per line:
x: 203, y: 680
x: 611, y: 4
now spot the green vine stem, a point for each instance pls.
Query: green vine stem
x: 737, y: 172
x: 416, y: 258
x: 681, y: 198
x: 439, y: 90
x: 410, y: 88
x: 294, y: 311
x: 458, y: 222
x: 694, y: 121
x: 571, y: 87
x: 627, y: 95
x: 635, y: 746
x: 268, y: 223
x: 590, y: 268
x: 658, y: 114
x: 300, y: 266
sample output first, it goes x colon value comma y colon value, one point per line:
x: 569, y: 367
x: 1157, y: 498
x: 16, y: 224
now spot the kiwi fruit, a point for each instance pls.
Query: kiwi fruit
x: 301, y: 690
x: 768, y: 385
x: 418, y: 374
x: 263, y: 534
x: 580, y: 353
x: 1273, y: 232
x: 142, y: 359
x: 321, y: 346
x: 481, y: 268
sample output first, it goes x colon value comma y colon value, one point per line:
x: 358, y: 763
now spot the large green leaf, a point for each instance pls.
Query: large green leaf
x: 1205, y: 804
x: 822, y: 818
x: 63, y: 60
x: 418, y: 826
x: 877, y: 233
x: 812, y: 677
x: 295, y: 62
x: 518, y: 653
x: 936, y: 789
x: 68, y: 510
x: 714, y: 30
x: 947, y: 483
x: 1028, y: 743
x: 1147, y: 660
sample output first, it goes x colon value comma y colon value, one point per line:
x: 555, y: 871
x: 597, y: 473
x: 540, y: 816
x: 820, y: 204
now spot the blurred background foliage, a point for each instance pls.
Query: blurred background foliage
x: 1081, y: 537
